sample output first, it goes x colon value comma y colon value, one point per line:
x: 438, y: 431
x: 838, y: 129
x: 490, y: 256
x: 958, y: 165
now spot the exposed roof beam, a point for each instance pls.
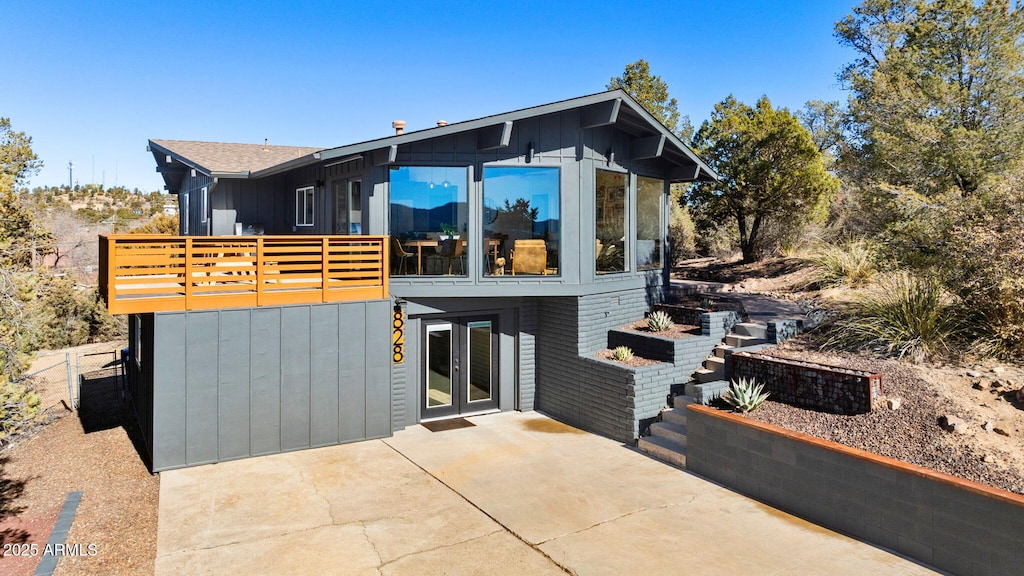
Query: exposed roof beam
x: 342, y: 160
x: 650, y: 147
x: 385, y: 156
x: 494, y: 137
x: 685, y: 173
x: 601, y: 114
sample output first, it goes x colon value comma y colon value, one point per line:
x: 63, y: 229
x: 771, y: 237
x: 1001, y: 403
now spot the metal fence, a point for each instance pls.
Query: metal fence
x: 63, y: 380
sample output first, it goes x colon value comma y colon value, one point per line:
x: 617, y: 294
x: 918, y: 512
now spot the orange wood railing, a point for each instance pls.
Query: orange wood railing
x: 157, y: 273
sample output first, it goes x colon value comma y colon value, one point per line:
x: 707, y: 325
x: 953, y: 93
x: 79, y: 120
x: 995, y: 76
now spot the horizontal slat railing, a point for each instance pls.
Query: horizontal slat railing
x: 154, y: 273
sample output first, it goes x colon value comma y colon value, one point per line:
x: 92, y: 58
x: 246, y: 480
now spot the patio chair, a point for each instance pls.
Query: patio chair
x: 400, y: 256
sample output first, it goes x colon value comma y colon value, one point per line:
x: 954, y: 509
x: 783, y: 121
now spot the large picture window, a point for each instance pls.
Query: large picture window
x: 429, y: 218
x: 610, y: 221
x: 304, y: 206
x: 650, y: 223
x: 522, y: 226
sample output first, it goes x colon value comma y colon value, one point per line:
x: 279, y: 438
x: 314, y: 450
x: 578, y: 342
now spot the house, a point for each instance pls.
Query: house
x: 321, y: 296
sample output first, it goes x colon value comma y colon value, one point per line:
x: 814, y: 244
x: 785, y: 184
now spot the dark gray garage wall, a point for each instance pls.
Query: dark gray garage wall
x: 235, y: 383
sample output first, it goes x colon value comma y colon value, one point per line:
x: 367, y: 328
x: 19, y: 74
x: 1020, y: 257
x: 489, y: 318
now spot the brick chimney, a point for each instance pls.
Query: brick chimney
x: 399, y: 126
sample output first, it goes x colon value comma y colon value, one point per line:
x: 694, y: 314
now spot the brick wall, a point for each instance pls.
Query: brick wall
x: 810, y: 385
x: 527, y: 354
x: 607, y: 397
x: 954, y: 525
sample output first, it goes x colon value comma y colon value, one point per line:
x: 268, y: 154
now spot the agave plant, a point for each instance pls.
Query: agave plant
x: 659, y: 322
x: 745, y: 395
x: 623, y: 353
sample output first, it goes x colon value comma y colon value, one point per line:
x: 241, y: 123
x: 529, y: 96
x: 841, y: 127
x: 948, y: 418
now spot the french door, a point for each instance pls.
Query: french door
x: 460, y: 366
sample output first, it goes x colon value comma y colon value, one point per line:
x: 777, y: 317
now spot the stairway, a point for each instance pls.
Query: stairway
x: 667, y: 441
x: 710, y: 381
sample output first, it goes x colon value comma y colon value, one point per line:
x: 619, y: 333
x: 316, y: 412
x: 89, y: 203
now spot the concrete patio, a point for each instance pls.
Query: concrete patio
x: 518, y: 493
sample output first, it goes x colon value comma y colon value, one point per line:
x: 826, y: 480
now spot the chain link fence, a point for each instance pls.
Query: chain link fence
x: 61, y: 381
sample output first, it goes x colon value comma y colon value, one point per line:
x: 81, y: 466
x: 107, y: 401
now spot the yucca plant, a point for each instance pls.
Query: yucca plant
x: 660, y: 322
x: 745, y: 395
x: 623, y: 353
x: 908, y: 316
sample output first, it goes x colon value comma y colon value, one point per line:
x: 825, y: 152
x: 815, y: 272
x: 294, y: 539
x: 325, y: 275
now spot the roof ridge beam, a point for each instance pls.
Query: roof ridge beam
x: 601, y: 114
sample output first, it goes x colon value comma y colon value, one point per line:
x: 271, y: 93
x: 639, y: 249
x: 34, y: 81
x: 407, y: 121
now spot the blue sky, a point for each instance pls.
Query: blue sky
x: 91, y: 82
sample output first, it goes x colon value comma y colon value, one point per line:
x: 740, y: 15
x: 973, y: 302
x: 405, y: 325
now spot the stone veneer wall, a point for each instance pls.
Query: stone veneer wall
x: 952, y: 524
x: 810, y: 385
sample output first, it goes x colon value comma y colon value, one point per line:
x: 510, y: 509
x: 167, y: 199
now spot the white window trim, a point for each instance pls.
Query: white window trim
x: 303, y: 195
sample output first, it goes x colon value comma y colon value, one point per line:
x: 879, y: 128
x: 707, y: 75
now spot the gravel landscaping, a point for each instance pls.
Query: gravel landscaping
x: 910, y: 433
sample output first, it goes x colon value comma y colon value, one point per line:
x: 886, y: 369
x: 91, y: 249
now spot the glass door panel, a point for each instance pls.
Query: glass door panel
x: 460, y: 366
x: 439, y: 366
x: 478, y: 363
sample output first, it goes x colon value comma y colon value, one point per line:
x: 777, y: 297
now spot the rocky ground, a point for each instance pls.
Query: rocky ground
x: 992, y: 454
x: 986, y: 444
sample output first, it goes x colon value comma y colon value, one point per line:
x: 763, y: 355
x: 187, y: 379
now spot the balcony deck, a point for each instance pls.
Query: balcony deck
x: 159, y: 273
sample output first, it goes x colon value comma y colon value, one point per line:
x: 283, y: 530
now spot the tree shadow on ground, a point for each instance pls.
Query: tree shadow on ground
x: 10, y: 490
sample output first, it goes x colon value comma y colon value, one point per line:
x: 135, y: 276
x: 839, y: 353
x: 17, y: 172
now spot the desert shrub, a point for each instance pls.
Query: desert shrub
x: 681, y: 234
x: 622, y: 354
x: 660, y: 321
x: 852, y: 263
x: 745, y: 395
x: 904, y: 315
x: 67, y: 316
x: 160, y: 224
x: 983, y: 263
x: 18, y: 406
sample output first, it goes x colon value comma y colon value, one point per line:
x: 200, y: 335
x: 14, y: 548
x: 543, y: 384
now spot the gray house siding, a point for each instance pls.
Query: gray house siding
x: 234, y: 383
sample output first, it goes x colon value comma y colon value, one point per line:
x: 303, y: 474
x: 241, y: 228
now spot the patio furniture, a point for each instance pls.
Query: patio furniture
x: 400, y: 256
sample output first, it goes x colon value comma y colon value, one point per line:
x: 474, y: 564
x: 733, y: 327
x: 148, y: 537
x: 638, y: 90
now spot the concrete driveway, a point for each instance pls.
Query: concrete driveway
x: 518, y: 493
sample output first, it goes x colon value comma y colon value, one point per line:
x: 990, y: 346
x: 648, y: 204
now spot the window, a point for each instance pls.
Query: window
x: 185, y: 216
x: 204, y: 205
x: 429, y: 216
x: 304, y: 206
x: 650, y: 223
x: 610, y: 221
x: 521, y: 221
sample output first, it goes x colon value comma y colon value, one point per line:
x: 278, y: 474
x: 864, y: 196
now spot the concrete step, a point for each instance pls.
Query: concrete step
x: 663, y: 449
x: 703, y: 376
x: 715, y: 363
x: 677, y: 415
x: 751, y: 329
x: 720, y: 350
x: 673, y: 432
x: 740, y: 341
x: 705, y: 392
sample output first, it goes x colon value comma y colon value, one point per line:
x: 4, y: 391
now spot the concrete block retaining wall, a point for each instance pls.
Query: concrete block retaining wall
x: 810, y: 385
x: 952, y: 524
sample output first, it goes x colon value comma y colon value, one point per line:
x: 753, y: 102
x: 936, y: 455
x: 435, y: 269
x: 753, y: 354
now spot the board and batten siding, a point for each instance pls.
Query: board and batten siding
x: 231, y: 384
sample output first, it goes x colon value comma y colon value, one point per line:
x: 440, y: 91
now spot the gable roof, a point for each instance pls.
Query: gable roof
x: 612, y: 108
x: 224, y: 158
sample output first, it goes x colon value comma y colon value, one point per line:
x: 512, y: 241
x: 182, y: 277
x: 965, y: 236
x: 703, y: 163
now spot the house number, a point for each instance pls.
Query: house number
x: 398, y: 336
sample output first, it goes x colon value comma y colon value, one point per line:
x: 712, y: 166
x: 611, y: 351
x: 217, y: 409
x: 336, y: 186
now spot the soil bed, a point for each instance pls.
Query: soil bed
x: 910, y: 433
x: 677, y: 331
x: 635, y: 361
